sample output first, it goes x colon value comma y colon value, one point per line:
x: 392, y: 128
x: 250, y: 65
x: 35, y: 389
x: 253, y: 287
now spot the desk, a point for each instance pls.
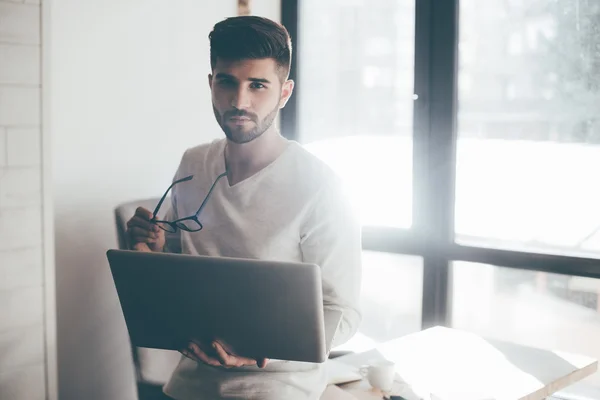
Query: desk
x: 458, y: 365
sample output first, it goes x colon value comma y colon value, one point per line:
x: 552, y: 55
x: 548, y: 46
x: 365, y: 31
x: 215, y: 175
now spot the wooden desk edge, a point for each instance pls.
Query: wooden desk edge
x: 351, y: 388
x: 563, y: 383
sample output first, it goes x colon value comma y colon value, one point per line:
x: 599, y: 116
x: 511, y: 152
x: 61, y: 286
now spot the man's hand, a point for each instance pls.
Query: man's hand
x: 143, y: 234
x: 221, y: 358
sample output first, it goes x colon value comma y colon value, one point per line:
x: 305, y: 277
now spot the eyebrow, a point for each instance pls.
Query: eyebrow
x: 222, y: 75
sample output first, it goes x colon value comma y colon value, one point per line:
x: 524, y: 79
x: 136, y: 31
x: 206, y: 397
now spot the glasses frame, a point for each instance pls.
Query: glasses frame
x: 179, y: 223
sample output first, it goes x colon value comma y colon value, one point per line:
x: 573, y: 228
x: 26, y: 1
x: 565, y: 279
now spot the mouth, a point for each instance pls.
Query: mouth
x: 239, y: 120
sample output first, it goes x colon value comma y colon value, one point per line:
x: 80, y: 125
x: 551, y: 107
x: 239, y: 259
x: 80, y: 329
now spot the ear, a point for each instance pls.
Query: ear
x: 210, y: 80
x: 286, y: 92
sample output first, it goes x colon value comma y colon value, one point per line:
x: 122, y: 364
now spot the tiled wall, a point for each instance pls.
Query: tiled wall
x: 22, y: 353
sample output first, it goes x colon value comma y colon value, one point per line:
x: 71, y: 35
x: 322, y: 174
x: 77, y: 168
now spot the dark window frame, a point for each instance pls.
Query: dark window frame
x: 434, y: 164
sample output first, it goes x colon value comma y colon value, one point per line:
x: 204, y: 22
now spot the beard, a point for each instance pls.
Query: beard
x: 241, y: 134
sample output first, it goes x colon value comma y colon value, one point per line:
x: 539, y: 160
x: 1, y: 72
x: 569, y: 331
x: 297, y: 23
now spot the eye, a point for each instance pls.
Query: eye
x: 257, y: 85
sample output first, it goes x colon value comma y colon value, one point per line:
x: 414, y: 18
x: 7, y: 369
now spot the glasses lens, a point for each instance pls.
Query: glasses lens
x: 166, y: 227
x: 189, y: 225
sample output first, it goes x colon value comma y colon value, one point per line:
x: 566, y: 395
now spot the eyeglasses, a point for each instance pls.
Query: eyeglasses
x: 189, y: 224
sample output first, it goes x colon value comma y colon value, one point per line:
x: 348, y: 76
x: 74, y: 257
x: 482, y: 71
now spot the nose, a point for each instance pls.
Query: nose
x: 241, y: 99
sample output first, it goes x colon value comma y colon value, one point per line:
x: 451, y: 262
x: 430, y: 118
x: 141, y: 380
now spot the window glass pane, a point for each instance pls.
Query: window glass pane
x: 355, y: 88
x: 538, y: 309
x: 528, y: 157
x: 391, y: 298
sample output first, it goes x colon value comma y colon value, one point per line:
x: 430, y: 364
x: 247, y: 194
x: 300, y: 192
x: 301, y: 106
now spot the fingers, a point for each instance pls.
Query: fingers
x: 225, y: 359
x: 229, y: 360
x: 142, y: 223
x: 189, y: 354
x: 202, y: 356
x: 143, y: 213
x: 142, y: 247
x: 143, y: 235
x: 141, y: 230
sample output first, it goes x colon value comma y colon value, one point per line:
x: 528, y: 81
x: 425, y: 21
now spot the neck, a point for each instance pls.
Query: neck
x: 246, y: 159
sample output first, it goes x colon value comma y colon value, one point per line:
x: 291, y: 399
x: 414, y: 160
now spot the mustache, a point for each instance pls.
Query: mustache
x: 238, y: 113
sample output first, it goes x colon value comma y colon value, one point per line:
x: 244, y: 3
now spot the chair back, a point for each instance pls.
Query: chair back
x: 152, y: 366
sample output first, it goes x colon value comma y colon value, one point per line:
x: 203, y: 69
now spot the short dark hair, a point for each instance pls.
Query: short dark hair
x: 251, y: 37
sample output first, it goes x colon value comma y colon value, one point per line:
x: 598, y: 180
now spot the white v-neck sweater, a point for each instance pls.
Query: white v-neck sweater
x: 294, y: 210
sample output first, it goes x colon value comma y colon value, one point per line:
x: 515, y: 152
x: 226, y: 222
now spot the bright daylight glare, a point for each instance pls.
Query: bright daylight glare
x: 527, y: 161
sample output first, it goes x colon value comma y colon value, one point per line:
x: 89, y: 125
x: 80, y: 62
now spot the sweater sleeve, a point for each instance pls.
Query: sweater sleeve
x: 331, y: 238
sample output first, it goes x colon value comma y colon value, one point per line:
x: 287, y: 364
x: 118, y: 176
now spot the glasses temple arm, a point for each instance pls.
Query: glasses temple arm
x: 164, y: 196
x: 209, y: 192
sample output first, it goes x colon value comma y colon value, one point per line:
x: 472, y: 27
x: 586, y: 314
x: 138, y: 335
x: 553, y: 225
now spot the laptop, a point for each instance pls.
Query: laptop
x: 259, y: 308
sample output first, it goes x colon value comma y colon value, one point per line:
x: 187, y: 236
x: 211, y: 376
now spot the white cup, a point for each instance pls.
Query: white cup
x: 380, y: 374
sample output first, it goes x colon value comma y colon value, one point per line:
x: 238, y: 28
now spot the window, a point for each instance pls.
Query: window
x: 356, y: 72
x: 390, y: 298
x: 528, y: 156
x: 471, y: 146
x: 536, y: 309
x: 356, y: 68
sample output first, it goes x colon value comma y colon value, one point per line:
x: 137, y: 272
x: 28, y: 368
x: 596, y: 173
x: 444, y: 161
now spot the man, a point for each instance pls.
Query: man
x: 262, y: 197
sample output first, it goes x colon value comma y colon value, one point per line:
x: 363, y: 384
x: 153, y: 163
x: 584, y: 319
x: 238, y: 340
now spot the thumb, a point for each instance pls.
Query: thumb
x: 142, y: 247
x: 144, y: 212
x: 262, y: 363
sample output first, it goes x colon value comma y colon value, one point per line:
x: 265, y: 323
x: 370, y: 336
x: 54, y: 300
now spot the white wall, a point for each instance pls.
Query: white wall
x: 26, y: 358
x: 267, y: 8
x: 129, y: 95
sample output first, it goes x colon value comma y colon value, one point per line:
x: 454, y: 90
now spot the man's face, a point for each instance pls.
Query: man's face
x: 247, y: 96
